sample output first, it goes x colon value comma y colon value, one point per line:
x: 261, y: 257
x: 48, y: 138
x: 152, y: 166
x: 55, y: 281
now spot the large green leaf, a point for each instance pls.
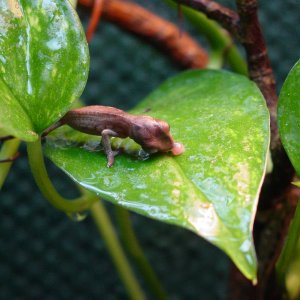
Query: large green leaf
x: 43, y: 62
x: 289, y: 129
x: 212, y: 188
x: 289, y: 116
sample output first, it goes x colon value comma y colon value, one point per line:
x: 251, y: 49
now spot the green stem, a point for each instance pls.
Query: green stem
x: 131, y: 244
x: 219, y: 40
x: 86, y: 201
x: 9, y: 149
x: 108, y: 233
x: 37, y: 164
x: 289, y: 250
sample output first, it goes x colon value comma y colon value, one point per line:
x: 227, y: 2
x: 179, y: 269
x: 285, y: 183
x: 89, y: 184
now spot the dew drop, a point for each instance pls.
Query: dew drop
x: 92, y: 146
x: 77, y: 216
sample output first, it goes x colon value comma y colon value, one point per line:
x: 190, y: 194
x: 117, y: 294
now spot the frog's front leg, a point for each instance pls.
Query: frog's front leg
x: 105, y: 141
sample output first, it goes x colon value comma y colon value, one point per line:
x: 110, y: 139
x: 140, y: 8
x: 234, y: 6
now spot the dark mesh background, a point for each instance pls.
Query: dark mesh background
x: 45, y: 255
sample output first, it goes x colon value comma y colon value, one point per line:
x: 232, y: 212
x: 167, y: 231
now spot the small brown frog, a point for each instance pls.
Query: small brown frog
x: 152, y: 134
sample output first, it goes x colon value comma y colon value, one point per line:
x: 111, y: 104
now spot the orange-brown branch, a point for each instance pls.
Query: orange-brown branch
x: 163, y: 34
x: 95, y: 18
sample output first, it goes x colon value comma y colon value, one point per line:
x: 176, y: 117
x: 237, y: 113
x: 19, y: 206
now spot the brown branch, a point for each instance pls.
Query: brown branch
x: 260, y: 70
x: 228, y: 18
x: 95, y: 18
x: 159, y: 32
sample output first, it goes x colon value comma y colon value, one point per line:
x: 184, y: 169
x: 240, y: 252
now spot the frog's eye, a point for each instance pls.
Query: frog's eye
x: 164, y: 125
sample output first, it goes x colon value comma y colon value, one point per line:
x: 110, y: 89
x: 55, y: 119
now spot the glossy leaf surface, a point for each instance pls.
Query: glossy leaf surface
x: 43, y: 62
x: 13, y: 119
x: 289, y: 116
x: 212, y: 188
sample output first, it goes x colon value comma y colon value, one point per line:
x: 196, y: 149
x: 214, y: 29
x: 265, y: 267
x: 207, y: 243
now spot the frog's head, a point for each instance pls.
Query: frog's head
x: 154, y: 136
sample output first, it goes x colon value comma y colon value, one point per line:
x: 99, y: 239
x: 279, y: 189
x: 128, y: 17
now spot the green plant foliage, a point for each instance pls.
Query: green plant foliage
x: 289, y: 116
x: 212, y: 188
x: 43, y: 61
x: 289, y: 129
x: 287, y: 266
x: 293, y: 274
x: 13, y: 119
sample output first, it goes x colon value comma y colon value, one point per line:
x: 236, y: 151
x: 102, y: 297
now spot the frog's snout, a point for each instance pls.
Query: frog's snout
x: 177, y: 149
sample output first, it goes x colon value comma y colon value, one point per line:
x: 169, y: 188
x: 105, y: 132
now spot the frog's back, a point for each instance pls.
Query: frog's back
x: 94, y: 119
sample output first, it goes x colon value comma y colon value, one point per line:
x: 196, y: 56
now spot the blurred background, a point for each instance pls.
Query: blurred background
x: 46, y: 255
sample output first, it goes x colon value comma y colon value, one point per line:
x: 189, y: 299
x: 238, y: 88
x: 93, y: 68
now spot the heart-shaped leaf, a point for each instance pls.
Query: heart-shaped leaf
x: 43, y: 61
x: 289, y: 116
x: 212, y: 188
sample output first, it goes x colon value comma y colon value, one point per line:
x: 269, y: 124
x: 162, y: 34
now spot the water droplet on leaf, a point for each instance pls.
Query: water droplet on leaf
x: 77, y: 216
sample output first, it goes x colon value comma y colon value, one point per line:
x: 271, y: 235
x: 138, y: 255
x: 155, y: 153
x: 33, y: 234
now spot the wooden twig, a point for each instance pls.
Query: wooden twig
x: 228, y: 18
x: 159, y: 32
x: 260, y: 70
